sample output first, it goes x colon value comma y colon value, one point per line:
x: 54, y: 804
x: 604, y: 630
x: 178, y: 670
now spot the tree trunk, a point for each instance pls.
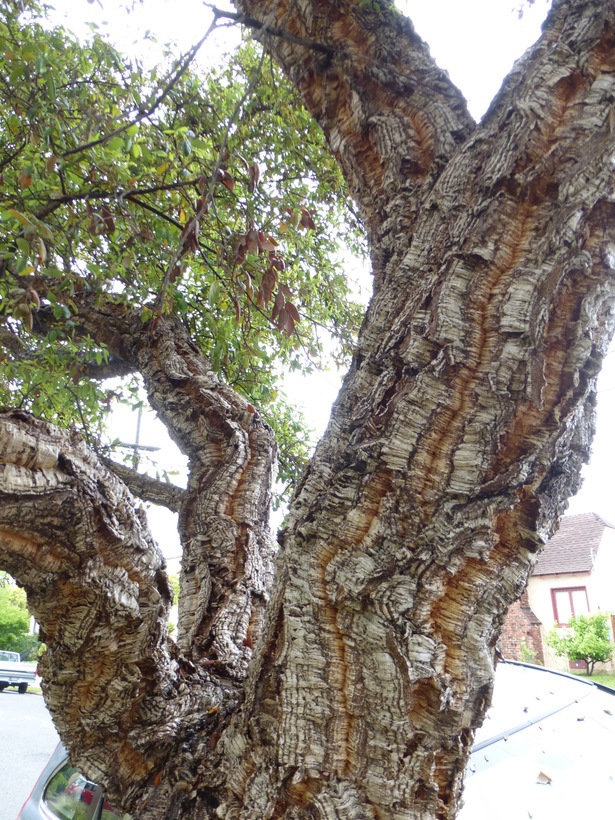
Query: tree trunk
x: 452, y: 448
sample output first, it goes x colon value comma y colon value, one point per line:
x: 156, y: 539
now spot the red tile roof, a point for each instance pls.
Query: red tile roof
x: 574, y: 546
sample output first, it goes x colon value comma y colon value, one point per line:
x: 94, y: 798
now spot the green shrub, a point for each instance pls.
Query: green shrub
x: 587, y: 638
x: 527, y: 654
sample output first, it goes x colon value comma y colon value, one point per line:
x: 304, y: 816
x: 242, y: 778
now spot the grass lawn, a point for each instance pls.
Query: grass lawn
x: 599, y: 677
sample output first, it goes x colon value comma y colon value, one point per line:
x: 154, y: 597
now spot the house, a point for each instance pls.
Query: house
x: 574, y: 575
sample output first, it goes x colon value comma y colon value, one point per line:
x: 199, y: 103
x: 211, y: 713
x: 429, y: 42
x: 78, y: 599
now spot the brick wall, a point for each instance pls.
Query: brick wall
x: 521, y: 624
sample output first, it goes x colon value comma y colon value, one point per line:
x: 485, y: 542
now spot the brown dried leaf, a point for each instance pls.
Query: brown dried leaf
x: 292, y: 311
x: 107, y: 219
x: 255, y: 175
x: 266, y: 243
x: 34, y: 299
x: 249, y: 287
x: 25, y: 180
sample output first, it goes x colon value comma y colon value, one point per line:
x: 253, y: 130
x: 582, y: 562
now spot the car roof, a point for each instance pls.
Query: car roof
x: 545, y: 749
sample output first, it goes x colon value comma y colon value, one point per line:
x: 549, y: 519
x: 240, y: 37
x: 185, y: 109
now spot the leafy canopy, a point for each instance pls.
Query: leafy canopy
x: 159, y: 189
x: 587, y: 639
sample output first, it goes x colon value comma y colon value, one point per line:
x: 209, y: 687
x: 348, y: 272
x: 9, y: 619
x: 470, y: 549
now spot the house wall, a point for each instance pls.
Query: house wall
x: 520, y: 631
x: 603, y: 575
x: 539, y: 593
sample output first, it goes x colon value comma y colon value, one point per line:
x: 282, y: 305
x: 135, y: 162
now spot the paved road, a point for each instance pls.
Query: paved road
x: 27, y: 738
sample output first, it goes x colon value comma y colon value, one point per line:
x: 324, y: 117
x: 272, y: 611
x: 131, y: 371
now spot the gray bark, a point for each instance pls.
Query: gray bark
x: 148, y: 489
x: 122, y: 698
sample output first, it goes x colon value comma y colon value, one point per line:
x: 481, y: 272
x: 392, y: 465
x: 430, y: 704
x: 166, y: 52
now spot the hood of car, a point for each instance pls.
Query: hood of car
x: 544, y: 751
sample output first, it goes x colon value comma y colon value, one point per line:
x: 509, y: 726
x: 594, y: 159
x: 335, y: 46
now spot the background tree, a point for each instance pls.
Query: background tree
x: 588, y: 638
x: 343, y: 674
x: 167, y: 192
x: 15, y: 622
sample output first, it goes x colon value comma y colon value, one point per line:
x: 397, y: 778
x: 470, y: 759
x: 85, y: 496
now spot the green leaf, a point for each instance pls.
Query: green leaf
x: 21, y: 218
x: 51, y: 85
x: 99, y: 240
x: 213, y: 296
x: 115, y: 144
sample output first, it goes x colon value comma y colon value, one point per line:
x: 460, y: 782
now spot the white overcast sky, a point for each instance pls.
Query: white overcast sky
x: 476, y: 41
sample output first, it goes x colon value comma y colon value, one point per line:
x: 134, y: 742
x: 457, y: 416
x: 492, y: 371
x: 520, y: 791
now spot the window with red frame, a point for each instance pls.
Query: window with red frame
x: 569, y: 601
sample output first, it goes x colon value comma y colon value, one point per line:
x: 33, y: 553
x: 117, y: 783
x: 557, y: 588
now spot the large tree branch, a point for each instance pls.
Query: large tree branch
x: 122, y: 698
x: 452, y: 449
x: 147, y: 488
x: 227, y: 546
x: 392, y: 118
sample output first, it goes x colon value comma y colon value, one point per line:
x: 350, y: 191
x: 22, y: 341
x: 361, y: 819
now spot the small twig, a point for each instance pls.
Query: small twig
x: 153, y: 210
x: 83, y: 424
x: 208, y: 199
x: 7, y: 160
x: 163, y: 94
x: 54, y: 204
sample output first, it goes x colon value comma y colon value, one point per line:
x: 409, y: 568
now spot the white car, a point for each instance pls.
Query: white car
x: 544, y: 752
x: 15, y: 672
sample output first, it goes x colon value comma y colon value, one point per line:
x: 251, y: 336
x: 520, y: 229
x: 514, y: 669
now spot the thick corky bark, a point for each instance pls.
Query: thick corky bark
x: 149, y: 489
x: 224, y: 513
x: 392, y: 117
x: 454, y: 443
x: 158, y: 723
x: 121, y: 696
x: 456, y: 439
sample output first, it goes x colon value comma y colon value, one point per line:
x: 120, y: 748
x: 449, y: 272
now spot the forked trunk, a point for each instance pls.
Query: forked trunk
x: 351, y: 686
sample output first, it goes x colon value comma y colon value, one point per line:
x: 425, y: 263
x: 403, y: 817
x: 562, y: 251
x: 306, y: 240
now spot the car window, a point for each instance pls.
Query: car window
x: 70, y: 796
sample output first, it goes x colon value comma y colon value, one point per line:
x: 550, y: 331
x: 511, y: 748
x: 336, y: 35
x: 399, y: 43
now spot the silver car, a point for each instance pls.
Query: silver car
x: 63, y: 793
x: 544, y: 751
